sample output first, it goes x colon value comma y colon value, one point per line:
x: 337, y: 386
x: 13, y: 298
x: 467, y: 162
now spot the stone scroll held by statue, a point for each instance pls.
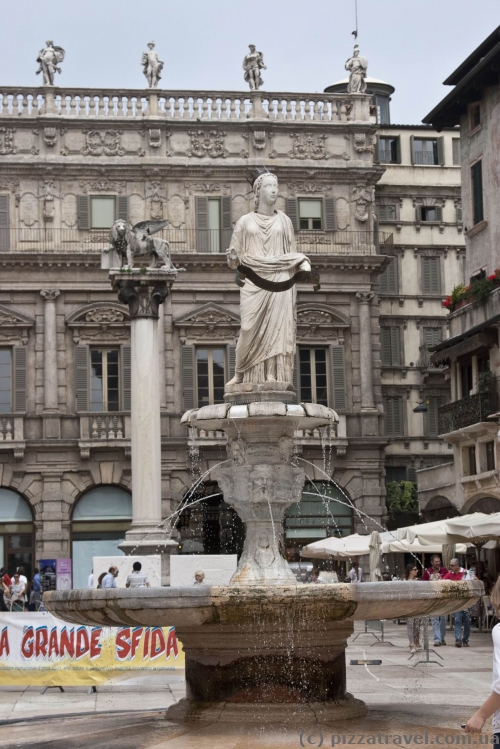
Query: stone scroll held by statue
x: 263, y: 252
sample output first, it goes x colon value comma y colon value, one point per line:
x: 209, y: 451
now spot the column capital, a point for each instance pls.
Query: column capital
x: 364, y: 297
x: 50, y: 295
x: 142, y: 292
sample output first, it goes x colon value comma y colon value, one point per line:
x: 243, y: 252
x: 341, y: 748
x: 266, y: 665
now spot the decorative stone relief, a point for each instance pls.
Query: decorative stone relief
x: 155, y: 191
x: 107, y: 143
x: 209, y: 143
x: 109, y: 323
x: 309, y: 146
x: 362, y: 197
x: 317, y: 323
x: 28, y: 209
x: 155, y: 137
x: 50, y: 136
x: 13, y: 186
x: 48, y: 194
x: 218, y: 187
x: 259, y: 139
x: 7, y: 140
x: 364, y: 142
x: 103, y: 185
x: 105, y: 315
x: 309, y: 186
x: 208, y: 322
x: 14, y: 327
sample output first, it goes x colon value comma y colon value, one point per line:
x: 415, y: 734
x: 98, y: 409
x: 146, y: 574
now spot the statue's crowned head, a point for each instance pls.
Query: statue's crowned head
x: 151, y: 45
x: 262, y: 179
x: 356, y: 50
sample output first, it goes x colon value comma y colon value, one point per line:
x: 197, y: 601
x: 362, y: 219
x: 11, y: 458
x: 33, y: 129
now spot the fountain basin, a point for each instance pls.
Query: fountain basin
x: 253, y: 650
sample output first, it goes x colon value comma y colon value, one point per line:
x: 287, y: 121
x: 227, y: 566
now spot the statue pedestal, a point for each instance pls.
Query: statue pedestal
x: 249, y: 392
x: 143, y: 292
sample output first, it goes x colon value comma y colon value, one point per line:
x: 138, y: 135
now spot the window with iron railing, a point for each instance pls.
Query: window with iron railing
x: 427, y: 151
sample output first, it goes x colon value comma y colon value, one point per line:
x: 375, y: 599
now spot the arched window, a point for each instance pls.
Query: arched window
x: 100, y: 520
x: 16, y: 533
x: 323, y: 511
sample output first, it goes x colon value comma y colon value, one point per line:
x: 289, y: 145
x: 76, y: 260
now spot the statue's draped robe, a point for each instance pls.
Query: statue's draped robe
x: 266, y: 345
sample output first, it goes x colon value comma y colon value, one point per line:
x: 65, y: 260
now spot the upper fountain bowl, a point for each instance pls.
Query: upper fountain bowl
x: 305, y: 415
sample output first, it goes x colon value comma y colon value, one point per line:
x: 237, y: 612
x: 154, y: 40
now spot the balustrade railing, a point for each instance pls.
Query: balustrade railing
x: 11, y: 428
x: 467, y: 411
x: 73, y: 241
x: 105, y: 426
x: 182, y: 105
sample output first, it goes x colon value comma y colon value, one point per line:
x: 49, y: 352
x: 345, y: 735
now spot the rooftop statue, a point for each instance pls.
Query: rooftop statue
x: 49, y: 59
x: 357, y: 65
x: 152, y: 65
x: 263, y: 248
x: 252, y: 65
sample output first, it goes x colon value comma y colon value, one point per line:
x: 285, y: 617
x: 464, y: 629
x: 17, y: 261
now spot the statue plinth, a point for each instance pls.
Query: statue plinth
x: 252, y: 392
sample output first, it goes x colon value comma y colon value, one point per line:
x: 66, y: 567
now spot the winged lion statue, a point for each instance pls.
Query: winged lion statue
x: 129, y: 241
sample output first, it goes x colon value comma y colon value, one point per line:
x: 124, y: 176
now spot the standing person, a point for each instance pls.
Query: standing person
x: 90, y: 581
x: 5, y: 591
x: 36, y: 592
x: 355, y: 574
x: 492, y: 704
x: 109, y: 579
x: 413, y: 624
x: 437, y: 572
x: 136, y: 579
x: 460, y: 618
x: 17, y: 594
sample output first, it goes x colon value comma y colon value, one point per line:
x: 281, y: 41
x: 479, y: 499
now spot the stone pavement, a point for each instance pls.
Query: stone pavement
x: 401, y: 700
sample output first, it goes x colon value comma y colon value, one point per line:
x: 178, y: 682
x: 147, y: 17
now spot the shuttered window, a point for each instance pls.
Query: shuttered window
x: 431, y: 275
x: 310, y: 214
x: 213, y: 223
x: 433, y: 404
x: 391, y: 345
x: 187, y: 364
x: 5, y: 380
x: 210, y: 375
x: 476, y: 173
x: 102, y: 379
x: 389, y: 150
x: 389, y: 279
x: 432, y: 336
x: 386, y: 212
x: 455, y: 146
x: 430, y: 213
x: 101, y: 211
x: 4, y: 224
x: 20, y: 378
x: 293, y: 212
x: 393, y: 408
x: 459, y: 214
x: 126, y: 377
x: 427, y: 151
x: 231, y: 361
x: 338, y: 388
x: 313, y: 375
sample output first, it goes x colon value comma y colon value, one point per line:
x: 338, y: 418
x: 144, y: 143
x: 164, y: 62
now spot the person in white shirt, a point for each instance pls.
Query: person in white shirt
x: 90, y: 581
x: 492, y: 704
x: 137, y: 579
x: 355, y: 573
x: 108, y: 581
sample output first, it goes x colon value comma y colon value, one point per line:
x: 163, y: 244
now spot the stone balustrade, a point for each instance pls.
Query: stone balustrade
x: 99, y: 429
x: 12, y: 434
x: 112, y: 104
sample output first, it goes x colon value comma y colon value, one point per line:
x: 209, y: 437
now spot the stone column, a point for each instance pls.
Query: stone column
x: 365, y: 349
x: 144, y: 293
x: 161, y: 359
x: 51, y: 421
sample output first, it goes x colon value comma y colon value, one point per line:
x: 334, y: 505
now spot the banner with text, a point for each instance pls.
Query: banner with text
x: 38, y: 650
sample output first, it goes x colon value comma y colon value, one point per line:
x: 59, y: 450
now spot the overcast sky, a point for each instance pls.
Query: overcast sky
x: 412, y: 44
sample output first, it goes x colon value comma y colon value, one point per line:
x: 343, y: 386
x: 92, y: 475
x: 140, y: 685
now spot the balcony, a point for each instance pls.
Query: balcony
x: 12, y: 434
x: 98, y: 430
x: 186, y: 106
x: 74, y: 241
x: 468, y: 411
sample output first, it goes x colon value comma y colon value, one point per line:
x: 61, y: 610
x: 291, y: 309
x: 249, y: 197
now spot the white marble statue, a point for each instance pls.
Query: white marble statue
x: 49, y: 58
x: 152, y: 65
x: 357, y: 66
x: 264, y: 242
x: 252, y: 65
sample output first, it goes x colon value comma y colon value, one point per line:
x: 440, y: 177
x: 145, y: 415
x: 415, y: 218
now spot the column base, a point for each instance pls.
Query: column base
x: 141, y: 542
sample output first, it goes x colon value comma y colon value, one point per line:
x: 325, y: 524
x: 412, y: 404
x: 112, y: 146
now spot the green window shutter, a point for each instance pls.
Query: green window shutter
x: 418, y: 213
x: 329, y: 214
x: 389, y: 279
x: 385, y: 342
x: 431, y: 275
x: 293, y: 212
x: 226, y: 221
x: 382, y: 213
x: 295, y: 376
x: 440, y: 151
x: 4, y: 224
x: 389, y: 421
x: 126, y: 377
x: 231, y: 362
x: 456, y: 151
x: 412, y: 475
x: 433, y: 336
x: 338, y: 396
x: 412, y: 149
x: 378, y: 148
x: 384, y: 281
x: 477, y: 192
x: 83, y: 207
x: 122, y: 207
x: 188, y: 392
x: 201, y: 210
x: 398, y: 149
x: 395, y: 346
x: 20, y: 375
x: 397, y: 411
x: 82, y: 378
x: 439, y: 213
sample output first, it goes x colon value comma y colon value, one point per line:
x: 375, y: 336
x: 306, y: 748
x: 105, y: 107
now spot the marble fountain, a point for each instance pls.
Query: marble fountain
x: 263, y: 648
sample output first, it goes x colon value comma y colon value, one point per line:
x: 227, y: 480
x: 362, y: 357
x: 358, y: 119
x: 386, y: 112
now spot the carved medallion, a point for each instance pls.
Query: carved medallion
x: 309, y: 146
x: 107, y: 143
x: 7, y: 140
x: 207, y: 144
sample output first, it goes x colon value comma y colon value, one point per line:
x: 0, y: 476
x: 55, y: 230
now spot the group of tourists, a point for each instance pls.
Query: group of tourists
x: 461, y: 619
x: 17, y: 594
x: 136, y: 579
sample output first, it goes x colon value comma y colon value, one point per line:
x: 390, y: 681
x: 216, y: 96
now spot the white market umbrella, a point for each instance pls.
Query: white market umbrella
x: 338, y: 548
x: 374, y: 546
x: 405, y: 547
x: 476, y: 528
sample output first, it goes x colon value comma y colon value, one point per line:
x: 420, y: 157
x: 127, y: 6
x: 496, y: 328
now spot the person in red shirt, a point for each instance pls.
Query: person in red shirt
x: 460, y: 618
x: 436, y: 572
